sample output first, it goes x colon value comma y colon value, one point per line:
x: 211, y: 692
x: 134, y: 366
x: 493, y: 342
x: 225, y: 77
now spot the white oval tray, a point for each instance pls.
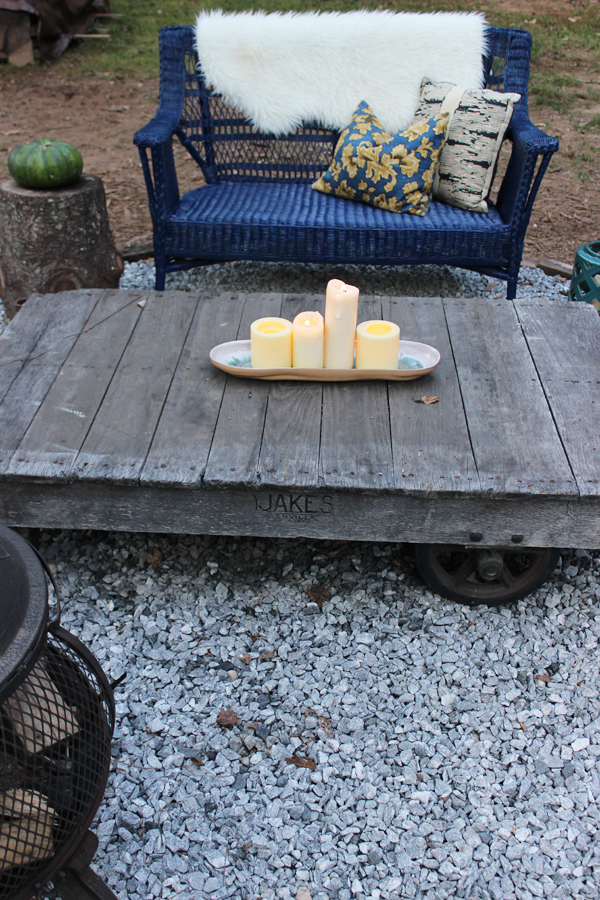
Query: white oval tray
x: 414, y: 360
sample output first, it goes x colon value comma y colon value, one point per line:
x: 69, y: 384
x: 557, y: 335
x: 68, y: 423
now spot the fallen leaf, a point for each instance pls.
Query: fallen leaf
x: 427, y: 399
x: 544, y: 677
x: 303, y: 762
x: 197, y: 762
x: 141, y: 303
x: 246, y: 658
x: 319, y: 595
x: 522, y: 726
x: 325, y: 723
x: 154, y: 558
x: 266, y: 654
x: 227, y: 718
x: 420, y: 778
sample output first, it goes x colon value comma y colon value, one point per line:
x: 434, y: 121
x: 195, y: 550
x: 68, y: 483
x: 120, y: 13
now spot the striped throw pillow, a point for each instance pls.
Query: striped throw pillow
x: 478, y: 123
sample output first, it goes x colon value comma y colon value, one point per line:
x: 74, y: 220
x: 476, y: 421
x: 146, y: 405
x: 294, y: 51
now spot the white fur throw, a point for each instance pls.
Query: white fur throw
x: 283, y: 69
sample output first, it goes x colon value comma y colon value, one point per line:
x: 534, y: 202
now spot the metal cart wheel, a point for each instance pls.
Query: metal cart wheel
x: 492, y: 576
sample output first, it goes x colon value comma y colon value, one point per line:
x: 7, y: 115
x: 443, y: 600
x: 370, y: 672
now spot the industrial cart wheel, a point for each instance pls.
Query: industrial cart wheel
x: 492, y: 576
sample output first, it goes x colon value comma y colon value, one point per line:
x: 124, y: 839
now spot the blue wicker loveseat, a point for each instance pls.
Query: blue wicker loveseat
x: 258, y: 204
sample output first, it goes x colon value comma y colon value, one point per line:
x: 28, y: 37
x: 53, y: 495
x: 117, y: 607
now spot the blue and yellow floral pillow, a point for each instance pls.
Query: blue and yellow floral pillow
x: 393, y: 172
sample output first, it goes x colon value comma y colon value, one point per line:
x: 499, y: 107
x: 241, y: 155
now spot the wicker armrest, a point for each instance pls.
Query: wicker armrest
x: 159, y: 131
x: 531, y: 137
x: 531, y: 153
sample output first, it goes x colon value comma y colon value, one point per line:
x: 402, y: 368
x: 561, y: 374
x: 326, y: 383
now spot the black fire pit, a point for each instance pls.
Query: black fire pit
x: 56, y: 725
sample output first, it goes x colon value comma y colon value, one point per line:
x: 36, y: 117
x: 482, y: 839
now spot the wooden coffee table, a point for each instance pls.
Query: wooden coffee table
x: 112, y: 417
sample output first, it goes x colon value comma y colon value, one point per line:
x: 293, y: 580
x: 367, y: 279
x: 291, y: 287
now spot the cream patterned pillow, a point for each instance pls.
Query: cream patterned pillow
x: 478, y: 123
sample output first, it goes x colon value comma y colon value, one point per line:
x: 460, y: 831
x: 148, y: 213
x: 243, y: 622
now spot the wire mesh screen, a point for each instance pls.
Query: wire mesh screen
x: 226, y: 146
x: 55, y: 741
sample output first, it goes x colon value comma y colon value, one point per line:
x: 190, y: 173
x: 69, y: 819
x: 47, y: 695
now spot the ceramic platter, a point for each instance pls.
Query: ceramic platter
x: 414, y: 360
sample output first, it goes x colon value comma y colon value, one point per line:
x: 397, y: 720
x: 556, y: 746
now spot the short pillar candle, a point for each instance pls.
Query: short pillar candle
x: 308, y: 341
x: 271, y: 343
x: 341, y: 312
x: 377, y: 345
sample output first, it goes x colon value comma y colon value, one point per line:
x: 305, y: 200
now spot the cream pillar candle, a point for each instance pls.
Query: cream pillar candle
x: 307, y: 341
x: 341, y: 311
x: 377, y: 345
x: 271, y: 343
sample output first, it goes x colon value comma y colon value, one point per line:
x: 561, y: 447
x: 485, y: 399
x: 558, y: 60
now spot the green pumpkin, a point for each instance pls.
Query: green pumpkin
x: 45, y: 163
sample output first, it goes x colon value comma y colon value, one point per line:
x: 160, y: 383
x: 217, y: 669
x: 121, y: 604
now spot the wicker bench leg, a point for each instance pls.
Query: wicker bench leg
x: 511, y: 288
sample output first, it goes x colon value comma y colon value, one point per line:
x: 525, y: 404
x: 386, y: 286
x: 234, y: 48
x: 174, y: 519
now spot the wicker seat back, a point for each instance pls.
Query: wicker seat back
x: 227, y: 147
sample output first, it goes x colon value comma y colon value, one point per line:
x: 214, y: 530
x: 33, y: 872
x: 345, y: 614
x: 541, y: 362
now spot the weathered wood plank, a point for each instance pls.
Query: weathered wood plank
x: 28, y: 390
x: 322, y: 514
x: 430, y: 443
x: 117, y: 443
x: 564, y: 340
x: 356, y: 448
x: 289, y: 453
x: 18, y: 340
x: 185, y: 431
x: 543, y: 517
x: 63, y: 420
x: 235, y: 450
x: 515, y: 443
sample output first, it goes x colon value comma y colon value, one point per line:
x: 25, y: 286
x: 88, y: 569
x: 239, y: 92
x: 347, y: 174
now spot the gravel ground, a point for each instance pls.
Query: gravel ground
x: 3, y: 318
x: 454, y: 750
x: 448, y: 751
x: 409, y: 281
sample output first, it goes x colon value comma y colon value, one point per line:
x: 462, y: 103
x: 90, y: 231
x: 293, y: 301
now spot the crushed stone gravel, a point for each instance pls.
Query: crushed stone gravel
x: 388, y: 744
x: 311, y: 278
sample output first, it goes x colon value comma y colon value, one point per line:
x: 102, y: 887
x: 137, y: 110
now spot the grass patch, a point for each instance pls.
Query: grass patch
x: 582, y: 158
x: 594, y: 122
x: 548, y: 89
x: 582, y: 176
x: 133, y: 45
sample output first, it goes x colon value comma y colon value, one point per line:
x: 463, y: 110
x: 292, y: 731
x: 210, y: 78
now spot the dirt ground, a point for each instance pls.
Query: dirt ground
x: 99, y: 116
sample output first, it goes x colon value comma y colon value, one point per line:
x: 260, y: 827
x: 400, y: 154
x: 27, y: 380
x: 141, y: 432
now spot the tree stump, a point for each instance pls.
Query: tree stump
x: 16, y: 45
x: 57, y: 240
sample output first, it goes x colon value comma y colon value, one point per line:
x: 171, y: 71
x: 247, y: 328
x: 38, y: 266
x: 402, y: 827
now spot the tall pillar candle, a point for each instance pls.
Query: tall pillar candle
x: 271, y: 343
x: 377, y: 345
x: 307, y: 341
x: 341, y: 313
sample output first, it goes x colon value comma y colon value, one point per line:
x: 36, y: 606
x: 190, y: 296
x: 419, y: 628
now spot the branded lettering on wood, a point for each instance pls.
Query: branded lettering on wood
x: 295, y: 507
